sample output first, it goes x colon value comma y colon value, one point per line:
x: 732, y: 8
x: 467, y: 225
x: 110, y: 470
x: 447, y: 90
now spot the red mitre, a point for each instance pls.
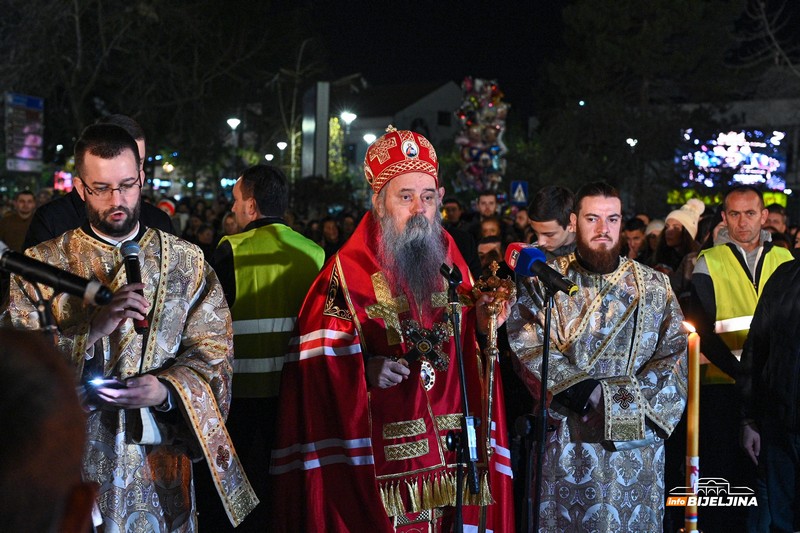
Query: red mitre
x: 399, y: 152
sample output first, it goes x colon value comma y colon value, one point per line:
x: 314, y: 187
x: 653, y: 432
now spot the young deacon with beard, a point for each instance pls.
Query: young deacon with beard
x: 617, y: 375
x: 362, y: 424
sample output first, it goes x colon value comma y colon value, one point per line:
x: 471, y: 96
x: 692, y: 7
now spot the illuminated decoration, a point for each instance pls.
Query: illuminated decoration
x: 24, y: 129
x: 483, y: 120
x: 681, y: 196
x: 62, y: 181
x: 751, y: 156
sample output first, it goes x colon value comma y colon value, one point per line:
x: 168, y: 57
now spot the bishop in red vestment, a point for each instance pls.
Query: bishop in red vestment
x: 363, y: 418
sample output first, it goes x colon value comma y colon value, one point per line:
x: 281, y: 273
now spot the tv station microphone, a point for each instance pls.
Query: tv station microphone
x: 130, y: 255
x: 530, y: 261
x: 35, y: 271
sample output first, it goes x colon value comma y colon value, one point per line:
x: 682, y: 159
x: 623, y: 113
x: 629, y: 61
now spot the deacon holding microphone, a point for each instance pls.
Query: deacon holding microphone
x: 158, y: 356
x: 617, y: 372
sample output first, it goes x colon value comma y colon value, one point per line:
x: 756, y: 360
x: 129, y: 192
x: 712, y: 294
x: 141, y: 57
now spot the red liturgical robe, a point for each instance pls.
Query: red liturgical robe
x: 349, y: 457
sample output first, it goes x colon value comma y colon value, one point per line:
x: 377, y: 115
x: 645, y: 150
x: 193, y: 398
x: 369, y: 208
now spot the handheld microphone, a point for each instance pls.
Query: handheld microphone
x: 130, y: 254
x: 530, y: 261
x: 35, y: 271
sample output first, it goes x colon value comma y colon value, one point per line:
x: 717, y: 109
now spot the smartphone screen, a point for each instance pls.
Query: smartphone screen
x: 107, y: 383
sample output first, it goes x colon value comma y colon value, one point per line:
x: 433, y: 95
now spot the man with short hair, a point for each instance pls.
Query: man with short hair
x: 460, y: 230
x: 12, y: 232
x: 487, y: 204
x: 68, y: 212
x: 776, y: 218
x: 453, y: 213
x: 617, y: 377
x: 726, y: 286
x: 167, y: 388
x: 370, y: 385
x: 491, y: 249
x: 638, y: 250
x: 14, y: 225
x: 265, y: 271
x: 522, y: 230
x: 550, y: 212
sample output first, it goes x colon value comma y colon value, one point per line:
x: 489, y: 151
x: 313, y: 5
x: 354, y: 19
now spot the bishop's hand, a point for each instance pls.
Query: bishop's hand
x: 383, y: 373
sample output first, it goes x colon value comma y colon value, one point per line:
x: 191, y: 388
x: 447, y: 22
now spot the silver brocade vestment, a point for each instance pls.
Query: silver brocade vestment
x: 624, y: 330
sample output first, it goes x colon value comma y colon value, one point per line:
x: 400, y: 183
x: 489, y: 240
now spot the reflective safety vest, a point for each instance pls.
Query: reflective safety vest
x: 736, y: 299
x: 274, y: 268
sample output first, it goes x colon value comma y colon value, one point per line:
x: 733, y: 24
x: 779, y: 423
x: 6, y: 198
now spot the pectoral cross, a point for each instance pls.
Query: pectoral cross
x: 387, y: 308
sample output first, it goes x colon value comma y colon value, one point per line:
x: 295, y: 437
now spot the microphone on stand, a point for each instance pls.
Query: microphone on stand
x: 29, y: 269
x: 530, y: 261
x: 130, y: 254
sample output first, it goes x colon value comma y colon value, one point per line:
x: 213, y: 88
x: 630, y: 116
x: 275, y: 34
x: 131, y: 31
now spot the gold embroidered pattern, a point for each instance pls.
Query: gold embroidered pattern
x: 425, y: 143
x: 331, y: 309
x: 406, y: 450
x: 387, y: 308
x: 625, y: 428
x: 447, y: 422
x: 439, y: 299
x: 380, y: 149
x: 408, y: 428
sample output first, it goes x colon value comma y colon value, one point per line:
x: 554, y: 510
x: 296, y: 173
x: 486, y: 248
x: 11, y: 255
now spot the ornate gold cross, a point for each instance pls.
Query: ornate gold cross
x: 387, y: 308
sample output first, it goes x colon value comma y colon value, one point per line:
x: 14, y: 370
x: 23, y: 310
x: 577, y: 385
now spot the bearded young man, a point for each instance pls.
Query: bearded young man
x: 617, y: 375
x: 361, y: 430
x: 176, y: 376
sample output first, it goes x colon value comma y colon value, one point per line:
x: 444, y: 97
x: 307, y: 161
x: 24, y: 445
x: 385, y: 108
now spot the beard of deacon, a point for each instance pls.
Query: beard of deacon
x: 598, y: 261
x: 412, y: 257
x: 98, y: 219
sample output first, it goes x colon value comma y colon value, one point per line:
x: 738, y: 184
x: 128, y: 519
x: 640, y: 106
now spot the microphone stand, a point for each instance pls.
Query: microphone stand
x: 47, y: 322
x: 465, y: 443
x: 540, y: 429
x: 533, y: 427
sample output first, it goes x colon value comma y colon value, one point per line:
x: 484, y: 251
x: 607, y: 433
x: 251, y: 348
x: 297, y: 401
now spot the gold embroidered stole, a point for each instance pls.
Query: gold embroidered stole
x: 199, y: 403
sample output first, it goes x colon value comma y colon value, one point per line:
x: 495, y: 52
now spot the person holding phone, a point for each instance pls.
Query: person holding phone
x: 143, y: 436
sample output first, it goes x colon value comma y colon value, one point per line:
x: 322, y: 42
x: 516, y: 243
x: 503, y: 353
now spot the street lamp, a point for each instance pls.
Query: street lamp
x: 369, y: 138
x: 269, y: 157
x: 234, y: 122
x: 281, y: 146
x: 348, y: 119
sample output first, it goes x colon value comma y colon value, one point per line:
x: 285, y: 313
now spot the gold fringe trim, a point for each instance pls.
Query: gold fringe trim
x: 392, y: 501
x: 431, y: 492
x: 413, y: 494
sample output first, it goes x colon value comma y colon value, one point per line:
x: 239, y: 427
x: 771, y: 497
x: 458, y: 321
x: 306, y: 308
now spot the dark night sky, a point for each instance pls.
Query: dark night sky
x: 438, y: 41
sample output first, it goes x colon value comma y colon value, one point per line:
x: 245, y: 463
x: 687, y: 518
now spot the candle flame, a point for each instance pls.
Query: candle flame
x: 689, y: 327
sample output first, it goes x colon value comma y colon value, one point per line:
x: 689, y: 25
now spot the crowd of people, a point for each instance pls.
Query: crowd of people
x: 277, y: 374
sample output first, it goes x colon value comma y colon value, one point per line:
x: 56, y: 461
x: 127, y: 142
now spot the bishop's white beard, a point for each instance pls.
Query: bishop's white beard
x: 412, y: 258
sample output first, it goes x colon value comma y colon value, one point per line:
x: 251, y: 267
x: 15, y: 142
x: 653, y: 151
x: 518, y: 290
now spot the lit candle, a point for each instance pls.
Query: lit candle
x: 692, y: 426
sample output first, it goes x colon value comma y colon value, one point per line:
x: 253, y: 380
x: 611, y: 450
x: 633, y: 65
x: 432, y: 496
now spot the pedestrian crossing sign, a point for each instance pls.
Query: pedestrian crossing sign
x: 519, y: 193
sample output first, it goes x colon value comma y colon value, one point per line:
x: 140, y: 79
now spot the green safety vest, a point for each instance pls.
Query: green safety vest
x: 274, y: 267
x: 736, y: 300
